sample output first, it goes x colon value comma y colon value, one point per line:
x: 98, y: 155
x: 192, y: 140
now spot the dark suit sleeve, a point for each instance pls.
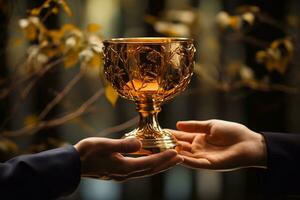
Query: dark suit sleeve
x: 45, y: 175
x: 283, y: 163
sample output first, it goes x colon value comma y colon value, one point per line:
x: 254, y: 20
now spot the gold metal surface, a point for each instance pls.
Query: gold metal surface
x: 149, y: 71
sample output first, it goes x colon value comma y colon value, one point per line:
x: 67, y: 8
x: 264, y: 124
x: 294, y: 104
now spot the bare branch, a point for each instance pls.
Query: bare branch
x: 86, y: 128
x: 254, y: 84
x: 40, y: 73
x: 119, y: 127
x: 15, y: 83
x: 248, y: 39
x: 31, y: 129
x: 62, y: 94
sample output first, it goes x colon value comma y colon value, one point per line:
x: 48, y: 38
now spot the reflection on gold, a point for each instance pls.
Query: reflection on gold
x: 137, y: 85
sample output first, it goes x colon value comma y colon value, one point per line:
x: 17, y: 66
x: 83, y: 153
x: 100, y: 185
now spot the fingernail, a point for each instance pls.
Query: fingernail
x: 173, y: 151
x: 169, y: 153
x: 133, y: 140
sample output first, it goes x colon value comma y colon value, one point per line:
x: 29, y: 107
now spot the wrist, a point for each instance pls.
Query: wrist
x: 81, y: 152
x: 260, y: 156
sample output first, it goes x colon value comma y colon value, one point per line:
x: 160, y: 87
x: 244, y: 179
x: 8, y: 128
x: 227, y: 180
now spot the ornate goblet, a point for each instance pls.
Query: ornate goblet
x: 149, y: 71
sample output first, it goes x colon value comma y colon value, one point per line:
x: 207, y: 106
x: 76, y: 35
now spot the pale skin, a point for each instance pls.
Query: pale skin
x: 220, y: 145
x: 102, y: 158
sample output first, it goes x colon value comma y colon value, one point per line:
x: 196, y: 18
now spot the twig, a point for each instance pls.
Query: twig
x: 258, y: 85
x: 275, y: 87
x: 14, y: 71
x: 31, y: 129
x: 261, y: 87
x: 88, y: 129
x: 16, y: 83
x: 62, y: 94
x: 247, y: 39
x: 264, y: 18
x: 119, y: 127
x: 45, y: 69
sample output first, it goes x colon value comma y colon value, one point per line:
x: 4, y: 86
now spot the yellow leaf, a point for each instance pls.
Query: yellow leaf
x: 55, y: 35
x: 150, y: 19
x: 8, y: 149
x: 31, y: 120
x: 35, y: 11
x: 111, y: 95
x: 234, y: 67
x: 247, y: 8
x: 93, y: 27
x: 54, y: 10
x: 30, y: 32
x: 50, y: 52
x: 261, y: 56
x: 278, y: 56
x: 66, y: 7
x: 235, y: 22
x: 69, y: 27
x: 95, y: 61
x: 71, y: 59
x: 61, y: 47
x: 46, y: 4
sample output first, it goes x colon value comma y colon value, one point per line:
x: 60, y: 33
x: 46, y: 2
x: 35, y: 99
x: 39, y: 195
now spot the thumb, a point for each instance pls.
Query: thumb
x: 194, y: 126
x: 127, y: 145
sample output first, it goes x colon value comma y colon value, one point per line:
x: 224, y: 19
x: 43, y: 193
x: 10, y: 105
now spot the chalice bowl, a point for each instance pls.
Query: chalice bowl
x: 149, y: 71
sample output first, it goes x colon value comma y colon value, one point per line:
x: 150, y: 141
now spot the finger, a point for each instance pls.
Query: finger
x: 196, y: 162
x: 147, y: 162
x: 186, y: 153
x: 169, y: 164
x: 193, y: 155
x: 184, y: 136
x: 128, y: 145
x: 151, y: 171
x: 123, y: 177
x: 194, y: 126
x: 185, y: 146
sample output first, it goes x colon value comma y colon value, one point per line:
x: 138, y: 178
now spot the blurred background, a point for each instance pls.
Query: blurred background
x: 53, y: 92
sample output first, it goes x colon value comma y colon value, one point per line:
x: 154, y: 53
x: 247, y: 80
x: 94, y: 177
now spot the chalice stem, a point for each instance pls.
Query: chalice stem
x: 148, y: 124
x: 154, y: 139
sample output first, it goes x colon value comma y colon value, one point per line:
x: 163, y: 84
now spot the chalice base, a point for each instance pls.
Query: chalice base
x: 152, y: 143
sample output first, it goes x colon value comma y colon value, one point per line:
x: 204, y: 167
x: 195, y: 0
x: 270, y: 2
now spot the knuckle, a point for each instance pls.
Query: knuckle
x: 213, y: 121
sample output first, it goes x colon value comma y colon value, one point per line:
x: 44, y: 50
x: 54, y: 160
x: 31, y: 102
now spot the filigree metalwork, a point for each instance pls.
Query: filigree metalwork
x: 149, y: 71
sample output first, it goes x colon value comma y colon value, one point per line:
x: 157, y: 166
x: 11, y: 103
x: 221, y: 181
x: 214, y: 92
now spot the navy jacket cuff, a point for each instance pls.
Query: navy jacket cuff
x: 46, y: 175
x: 283, y: 163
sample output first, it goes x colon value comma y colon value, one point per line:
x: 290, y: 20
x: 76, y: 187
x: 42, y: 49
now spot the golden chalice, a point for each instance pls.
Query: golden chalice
x: 149, y: 71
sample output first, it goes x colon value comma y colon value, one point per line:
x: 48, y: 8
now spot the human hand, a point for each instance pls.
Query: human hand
x: 220, y: 145
x: 101, y: 158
